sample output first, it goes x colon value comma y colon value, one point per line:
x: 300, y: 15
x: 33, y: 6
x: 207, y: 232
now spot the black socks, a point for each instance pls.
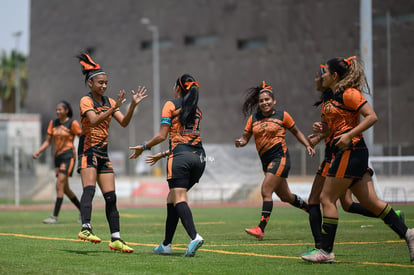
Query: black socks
x: 267, y: 208
x: 186, y: 217
x: 86, y: 203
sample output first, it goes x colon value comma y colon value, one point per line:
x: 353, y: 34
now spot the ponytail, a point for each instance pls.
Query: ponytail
x: 189, y: 92
x: 350, y: 72
x: 89, y: 67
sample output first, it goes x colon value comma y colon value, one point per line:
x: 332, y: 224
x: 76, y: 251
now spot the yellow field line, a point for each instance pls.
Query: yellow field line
x: 229, y: 252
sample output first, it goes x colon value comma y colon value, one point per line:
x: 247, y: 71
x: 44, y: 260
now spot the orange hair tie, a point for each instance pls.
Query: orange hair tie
x: 348, y: 60
x: 322, y: 68
x: 265, y: 86
x: 87, y: 66
x: 188, y: 85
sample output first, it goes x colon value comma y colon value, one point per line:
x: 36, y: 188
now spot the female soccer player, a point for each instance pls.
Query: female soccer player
x: 268, y: 126
x: 180, y: 120
x: 96, y: 112
x: 349, y: 166
x: 62, y: 131
x: 315, y: 216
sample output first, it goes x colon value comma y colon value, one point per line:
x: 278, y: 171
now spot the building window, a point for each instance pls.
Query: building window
x: 202, y: 40
x: 163, y: 44
x: 256, y: 43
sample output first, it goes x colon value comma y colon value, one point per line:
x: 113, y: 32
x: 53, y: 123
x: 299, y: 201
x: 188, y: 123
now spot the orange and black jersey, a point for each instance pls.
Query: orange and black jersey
x: 63, y: 134
x: 179, y: 134
x: 342, y: 113
x: 326, y: 100
x: 269, y: 131
x: 94, y: 138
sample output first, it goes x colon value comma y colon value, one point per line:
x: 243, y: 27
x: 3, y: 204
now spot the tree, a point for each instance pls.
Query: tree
x: 8, y: 80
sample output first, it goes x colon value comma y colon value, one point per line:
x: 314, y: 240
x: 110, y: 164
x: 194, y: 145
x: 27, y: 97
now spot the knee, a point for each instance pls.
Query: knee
x: 110, y: 197
x: 89, y: 191
x: 324, y: 199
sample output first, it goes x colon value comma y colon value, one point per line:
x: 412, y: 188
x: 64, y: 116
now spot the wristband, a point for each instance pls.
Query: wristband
x: 144, y: 147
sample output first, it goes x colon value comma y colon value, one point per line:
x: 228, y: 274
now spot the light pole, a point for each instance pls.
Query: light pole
x: 17, y: 73
x: 155, y: 73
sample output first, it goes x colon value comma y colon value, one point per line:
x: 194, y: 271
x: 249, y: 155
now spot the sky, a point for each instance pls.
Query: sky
x: 15, y: 17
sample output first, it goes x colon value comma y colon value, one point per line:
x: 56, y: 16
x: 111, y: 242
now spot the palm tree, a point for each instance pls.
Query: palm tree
x: 8, y: 80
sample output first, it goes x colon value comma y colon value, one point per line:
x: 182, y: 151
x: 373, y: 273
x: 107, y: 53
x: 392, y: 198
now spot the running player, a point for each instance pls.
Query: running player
x: 315, y: 216
x: 349, y: 165
x: 62, y: 132
x: 96, y: 112
x: 268, y: 126
x: 180, y: 120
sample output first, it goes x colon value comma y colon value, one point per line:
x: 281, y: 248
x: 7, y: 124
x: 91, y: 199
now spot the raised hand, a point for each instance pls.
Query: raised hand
x: 139, y: 95
x: 120, y: 99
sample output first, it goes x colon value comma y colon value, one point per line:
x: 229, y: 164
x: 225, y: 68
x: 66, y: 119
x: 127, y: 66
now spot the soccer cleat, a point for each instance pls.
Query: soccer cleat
x: 255, y: 231
x: 400, y: 215
x: 87, y: 235
x: 409, y: 238
x: 310, y: 251
x: 193, y: 246
x: 319, y: 256
x: 120, y: 245
x: 51, y: 220
x: 162, y: 249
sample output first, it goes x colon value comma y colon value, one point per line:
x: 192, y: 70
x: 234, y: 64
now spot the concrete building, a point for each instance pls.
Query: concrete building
x: 228, y: 46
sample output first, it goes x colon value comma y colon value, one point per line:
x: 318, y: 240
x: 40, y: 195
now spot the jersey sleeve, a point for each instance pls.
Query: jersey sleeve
x: 86, y: 104
x: 249, y: 125
x: 50, y: 128
x: 353, y: 99
x: 75, y: 129
x: 288, y: 120
x: 167, y: 113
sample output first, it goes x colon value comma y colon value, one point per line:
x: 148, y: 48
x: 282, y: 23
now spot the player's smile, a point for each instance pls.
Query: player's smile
x: 266, y: 103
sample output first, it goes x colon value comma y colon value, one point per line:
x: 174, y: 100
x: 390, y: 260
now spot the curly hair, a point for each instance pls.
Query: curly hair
x: 350, y: 72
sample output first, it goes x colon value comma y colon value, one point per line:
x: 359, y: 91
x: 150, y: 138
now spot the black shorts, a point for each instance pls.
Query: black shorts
x: 350, y: 163
x: 102, y: 164
x: 326, y: 163
x: 185, y: 168
x: 65, y: 163
x: 276, y: 162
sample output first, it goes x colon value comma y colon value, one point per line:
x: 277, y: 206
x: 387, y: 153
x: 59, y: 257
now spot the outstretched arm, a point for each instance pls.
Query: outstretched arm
x: 151, y: 160
x: 158, y: 138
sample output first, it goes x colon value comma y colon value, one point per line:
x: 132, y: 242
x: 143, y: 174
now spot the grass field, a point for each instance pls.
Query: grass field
x: 363, y: 245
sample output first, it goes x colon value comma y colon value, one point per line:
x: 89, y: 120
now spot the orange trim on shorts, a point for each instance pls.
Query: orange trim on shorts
x: 84, y: 162
x: 343, y: 164
x: 325, y: 169
x: 169, y: 165
x: 71, y: 165
x: 281, y: 167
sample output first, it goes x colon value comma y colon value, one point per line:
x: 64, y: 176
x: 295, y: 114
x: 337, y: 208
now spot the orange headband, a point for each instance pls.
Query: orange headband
x: 266, y: 87
x: 87, y: 66
x: 348, y: 60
